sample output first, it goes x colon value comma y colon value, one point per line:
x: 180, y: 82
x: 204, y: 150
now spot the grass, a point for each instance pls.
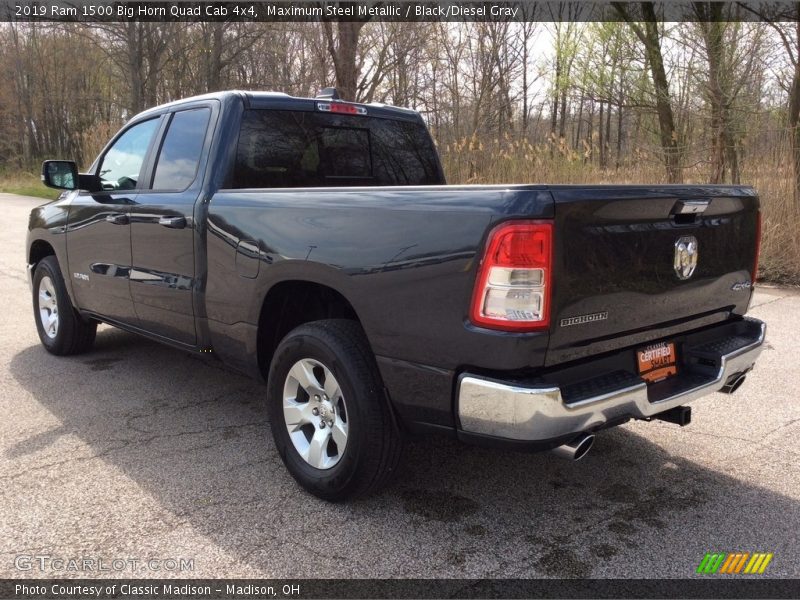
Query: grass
x: 25, y: 184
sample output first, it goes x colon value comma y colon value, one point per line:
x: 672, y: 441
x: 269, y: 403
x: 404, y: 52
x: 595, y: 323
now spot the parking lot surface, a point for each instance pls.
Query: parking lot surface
x: 140, y: 451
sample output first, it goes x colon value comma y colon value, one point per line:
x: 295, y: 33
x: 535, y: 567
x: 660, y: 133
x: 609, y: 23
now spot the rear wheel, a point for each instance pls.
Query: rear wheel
x: 329, y: 414
x: 61, y: 329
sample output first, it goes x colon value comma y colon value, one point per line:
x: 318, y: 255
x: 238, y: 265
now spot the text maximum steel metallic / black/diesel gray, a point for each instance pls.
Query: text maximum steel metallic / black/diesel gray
x: 313, y: 243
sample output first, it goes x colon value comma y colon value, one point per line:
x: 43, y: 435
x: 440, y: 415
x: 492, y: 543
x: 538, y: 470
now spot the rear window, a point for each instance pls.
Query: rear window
x: 280, y: 149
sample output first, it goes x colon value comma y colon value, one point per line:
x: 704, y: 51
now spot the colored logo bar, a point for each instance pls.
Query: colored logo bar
x: 734, y: 563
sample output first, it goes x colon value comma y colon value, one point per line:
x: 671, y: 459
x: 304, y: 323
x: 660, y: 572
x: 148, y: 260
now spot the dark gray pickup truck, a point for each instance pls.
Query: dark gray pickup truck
x: 313, y: 243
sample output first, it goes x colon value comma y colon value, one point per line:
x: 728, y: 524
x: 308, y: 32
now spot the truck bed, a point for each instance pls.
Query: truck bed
x: 407, y: 257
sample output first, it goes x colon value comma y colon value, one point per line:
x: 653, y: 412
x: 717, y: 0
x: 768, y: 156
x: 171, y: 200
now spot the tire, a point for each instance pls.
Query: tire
x: 358, y: 418
x: 62, y: 330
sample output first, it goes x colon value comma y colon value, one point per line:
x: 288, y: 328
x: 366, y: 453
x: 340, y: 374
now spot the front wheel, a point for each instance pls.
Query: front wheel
x: 329, y: 415
x: 61, y: 329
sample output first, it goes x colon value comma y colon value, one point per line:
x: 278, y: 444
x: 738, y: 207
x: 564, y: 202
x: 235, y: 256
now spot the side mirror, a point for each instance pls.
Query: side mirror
x: 60, y: 174
x: 63, y: 175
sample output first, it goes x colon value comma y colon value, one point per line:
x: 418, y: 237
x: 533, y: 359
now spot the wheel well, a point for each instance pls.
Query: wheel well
x: 290, y: 304
x: 39, y: 249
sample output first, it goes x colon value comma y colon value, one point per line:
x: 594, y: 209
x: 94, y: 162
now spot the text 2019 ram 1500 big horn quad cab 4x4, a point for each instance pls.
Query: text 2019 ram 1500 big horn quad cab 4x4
x: 312, y: 242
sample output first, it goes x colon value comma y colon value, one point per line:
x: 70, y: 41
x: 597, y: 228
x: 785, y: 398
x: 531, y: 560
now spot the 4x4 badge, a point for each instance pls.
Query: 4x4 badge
x: 686, y: 254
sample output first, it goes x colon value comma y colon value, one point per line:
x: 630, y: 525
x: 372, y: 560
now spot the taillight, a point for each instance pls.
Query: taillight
x: 758, y: 248
x: 514, y: 282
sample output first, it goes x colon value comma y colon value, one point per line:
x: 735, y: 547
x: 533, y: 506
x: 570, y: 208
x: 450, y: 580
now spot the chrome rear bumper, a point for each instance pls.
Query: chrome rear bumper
x: 527, y: 412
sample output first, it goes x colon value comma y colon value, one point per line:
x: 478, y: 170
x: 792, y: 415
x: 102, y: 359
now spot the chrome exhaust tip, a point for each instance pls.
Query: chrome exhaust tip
x: 577, y: 448
x: 734, y: 383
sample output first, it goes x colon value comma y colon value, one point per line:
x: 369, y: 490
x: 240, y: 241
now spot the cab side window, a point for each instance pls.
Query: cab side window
x: 180, y: 153
x: 120, y: 167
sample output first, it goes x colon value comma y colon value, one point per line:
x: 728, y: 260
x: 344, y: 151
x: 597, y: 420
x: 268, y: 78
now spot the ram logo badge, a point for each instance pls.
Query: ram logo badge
x: 581, y: 319
x: 686, y: 253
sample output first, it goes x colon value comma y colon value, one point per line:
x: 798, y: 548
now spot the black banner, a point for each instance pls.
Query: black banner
x: 201, y: 589
x: 388, y: 10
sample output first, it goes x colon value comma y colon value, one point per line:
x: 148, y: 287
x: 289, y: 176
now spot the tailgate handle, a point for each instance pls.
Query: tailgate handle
x: 690, y: 207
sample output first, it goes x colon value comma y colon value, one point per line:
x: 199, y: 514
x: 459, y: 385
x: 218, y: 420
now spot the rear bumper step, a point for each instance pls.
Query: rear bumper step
x: 538, y: 412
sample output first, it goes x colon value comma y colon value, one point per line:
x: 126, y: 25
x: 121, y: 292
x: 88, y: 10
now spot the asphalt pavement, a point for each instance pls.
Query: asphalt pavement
x: 139, y: 451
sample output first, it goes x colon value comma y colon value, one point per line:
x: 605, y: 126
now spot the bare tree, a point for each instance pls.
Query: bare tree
x: 650, y: 38
x: 343, y: 48
x: 140, y: 50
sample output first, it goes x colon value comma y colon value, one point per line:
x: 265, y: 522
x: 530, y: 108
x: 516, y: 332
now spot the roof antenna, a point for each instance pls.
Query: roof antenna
x: 328, y: 93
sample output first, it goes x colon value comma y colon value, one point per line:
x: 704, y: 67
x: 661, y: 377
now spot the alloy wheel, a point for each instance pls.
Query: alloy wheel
x: 48, y: 307
x: 315, y: 414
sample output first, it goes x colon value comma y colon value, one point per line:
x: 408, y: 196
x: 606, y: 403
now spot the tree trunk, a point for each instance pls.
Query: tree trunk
x: 562, y: 128
x: 214, y: 57
x: 794, y: 127
x: 554, y: 112
x: 602, y: 135
x: 344, y: 51
x: 525, y: 83
x: 135, y: 66
x: 731, y: 151
x: 651, y: 40
x: 607, y: 140
x: 589, y: 156
x: 620, y: 103
x: 619, y: 134
x: 713, y: 29
x: 666, y: 121
x: 607, y: 148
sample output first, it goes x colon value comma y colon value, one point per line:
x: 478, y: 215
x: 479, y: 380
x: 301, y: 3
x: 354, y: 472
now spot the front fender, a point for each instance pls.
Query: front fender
x: 47, y: 225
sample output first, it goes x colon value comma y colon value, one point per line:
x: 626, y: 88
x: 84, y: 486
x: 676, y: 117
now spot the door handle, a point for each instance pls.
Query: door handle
x: 173, y: 222
x: 118, y: 219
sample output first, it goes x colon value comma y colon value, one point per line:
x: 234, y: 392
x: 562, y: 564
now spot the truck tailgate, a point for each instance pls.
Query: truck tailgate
x: 616, y: 279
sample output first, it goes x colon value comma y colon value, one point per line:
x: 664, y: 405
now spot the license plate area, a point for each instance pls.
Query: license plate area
x: 657, y: 361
